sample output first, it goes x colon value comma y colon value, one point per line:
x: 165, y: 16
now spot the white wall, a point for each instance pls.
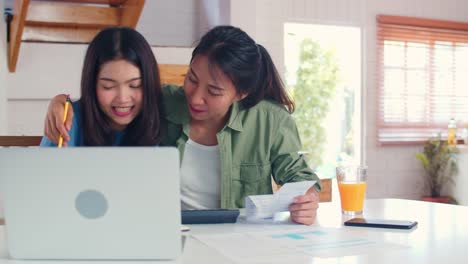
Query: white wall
x: 181, y: 22
x: 3, y: 87
x: 3, y: 70
x: 459, y: 190
x: 243, y: 15
x: 393, y: 171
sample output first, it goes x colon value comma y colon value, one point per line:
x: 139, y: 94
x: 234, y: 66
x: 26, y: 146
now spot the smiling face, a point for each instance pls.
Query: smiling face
x: 210, y: 93
x: 119, y: 92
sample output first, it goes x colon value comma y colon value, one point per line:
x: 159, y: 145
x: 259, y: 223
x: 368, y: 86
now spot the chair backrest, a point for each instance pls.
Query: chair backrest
x: 173, y: 73
x: 20, y: 141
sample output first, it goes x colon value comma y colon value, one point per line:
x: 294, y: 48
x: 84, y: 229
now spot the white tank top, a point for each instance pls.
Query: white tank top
x: 200, y: 177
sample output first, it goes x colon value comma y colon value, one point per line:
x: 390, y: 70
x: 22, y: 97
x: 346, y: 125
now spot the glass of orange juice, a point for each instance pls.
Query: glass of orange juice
x: 352, y: 183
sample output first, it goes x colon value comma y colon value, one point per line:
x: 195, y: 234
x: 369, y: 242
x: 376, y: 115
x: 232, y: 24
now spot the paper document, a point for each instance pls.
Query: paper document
x: 266, y: 206
x: 296, y: 245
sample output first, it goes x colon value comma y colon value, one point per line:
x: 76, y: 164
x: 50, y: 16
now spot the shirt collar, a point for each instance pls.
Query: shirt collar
x: 234, y: 121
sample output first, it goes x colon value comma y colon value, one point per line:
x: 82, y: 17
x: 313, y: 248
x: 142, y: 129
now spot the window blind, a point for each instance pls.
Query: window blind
x: 422, y: 77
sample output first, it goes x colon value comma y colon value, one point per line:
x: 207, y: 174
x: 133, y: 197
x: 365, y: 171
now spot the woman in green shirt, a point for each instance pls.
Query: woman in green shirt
x: 233, y: 108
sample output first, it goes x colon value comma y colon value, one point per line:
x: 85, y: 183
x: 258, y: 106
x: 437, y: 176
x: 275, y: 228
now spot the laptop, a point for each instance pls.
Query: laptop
x: 91, y: 203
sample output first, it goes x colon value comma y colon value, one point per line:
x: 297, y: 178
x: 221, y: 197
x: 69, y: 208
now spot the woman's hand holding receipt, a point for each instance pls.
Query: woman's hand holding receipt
x: 304, y: 207
x: 59, y: 126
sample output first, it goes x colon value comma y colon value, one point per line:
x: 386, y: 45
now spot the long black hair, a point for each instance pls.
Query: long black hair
x: 246, y: 63
x: 110, y: 44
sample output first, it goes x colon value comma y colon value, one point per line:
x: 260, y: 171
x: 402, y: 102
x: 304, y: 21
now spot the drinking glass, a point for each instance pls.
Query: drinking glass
x: 352, y: 183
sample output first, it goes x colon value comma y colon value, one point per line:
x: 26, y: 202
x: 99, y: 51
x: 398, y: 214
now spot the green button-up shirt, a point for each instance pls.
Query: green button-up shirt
x: 255, y: 145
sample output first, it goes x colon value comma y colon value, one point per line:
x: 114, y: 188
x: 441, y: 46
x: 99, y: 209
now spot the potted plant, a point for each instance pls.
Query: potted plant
x: 439, y: 161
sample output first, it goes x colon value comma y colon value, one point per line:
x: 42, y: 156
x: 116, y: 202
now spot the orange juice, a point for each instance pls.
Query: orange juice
x: 352, y: 196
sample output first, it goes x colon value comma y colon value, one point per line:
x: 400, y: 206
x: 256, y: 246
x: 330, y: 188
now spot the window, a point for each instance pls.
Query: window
x: 323, y: 74
x: 423, y: 77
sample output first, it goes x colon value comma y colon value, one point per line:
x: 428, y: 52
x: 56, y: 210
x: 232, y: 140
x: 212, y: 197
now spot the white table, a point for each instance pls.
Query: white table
x: 440, y: 237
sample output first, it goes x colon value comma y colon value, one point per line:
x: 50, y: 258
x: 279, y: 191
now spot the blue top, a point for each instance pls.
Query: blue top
x: 76, y: 131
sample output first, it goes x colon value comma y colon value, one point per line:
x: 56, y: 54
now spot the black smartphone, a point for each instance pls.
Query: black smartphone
x: 381, y: 223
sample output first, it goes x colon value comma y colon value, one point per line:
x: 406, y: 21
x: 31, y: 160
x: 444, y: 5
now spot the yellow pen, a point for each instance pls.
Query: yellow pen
x: 65, y: 113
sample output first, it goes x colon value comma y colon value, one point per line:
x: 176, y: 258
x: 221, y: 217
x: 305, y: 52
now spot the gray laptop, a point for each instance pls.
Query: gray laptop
x: 91, y: 203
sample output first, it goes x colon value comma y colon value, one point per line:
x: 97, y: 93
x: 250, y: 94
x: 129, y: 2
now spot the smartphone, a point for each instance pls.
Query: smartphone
x: 381, y: 223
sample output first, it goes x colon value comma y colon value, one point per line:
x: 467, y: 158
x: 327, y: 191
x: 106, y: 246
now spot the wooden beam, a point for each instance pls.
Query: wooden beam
x: 173, y: 73
x: 59, y: 34
x: 20, y: 10
x: 63, y: 14
x: 130, y: 12
x: 20, y: 141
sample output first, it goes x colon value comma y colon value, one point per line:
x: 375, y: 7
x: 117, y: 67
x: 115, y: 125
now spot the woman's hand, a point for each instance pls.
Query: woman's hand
x: 304, y: 208
x: 53, y: 124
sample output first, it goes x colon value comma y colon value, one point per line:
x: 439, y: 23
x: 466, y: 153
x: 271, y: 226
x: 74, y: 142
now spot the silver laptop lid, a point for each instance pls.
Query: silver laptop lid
x: 91, y: 203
